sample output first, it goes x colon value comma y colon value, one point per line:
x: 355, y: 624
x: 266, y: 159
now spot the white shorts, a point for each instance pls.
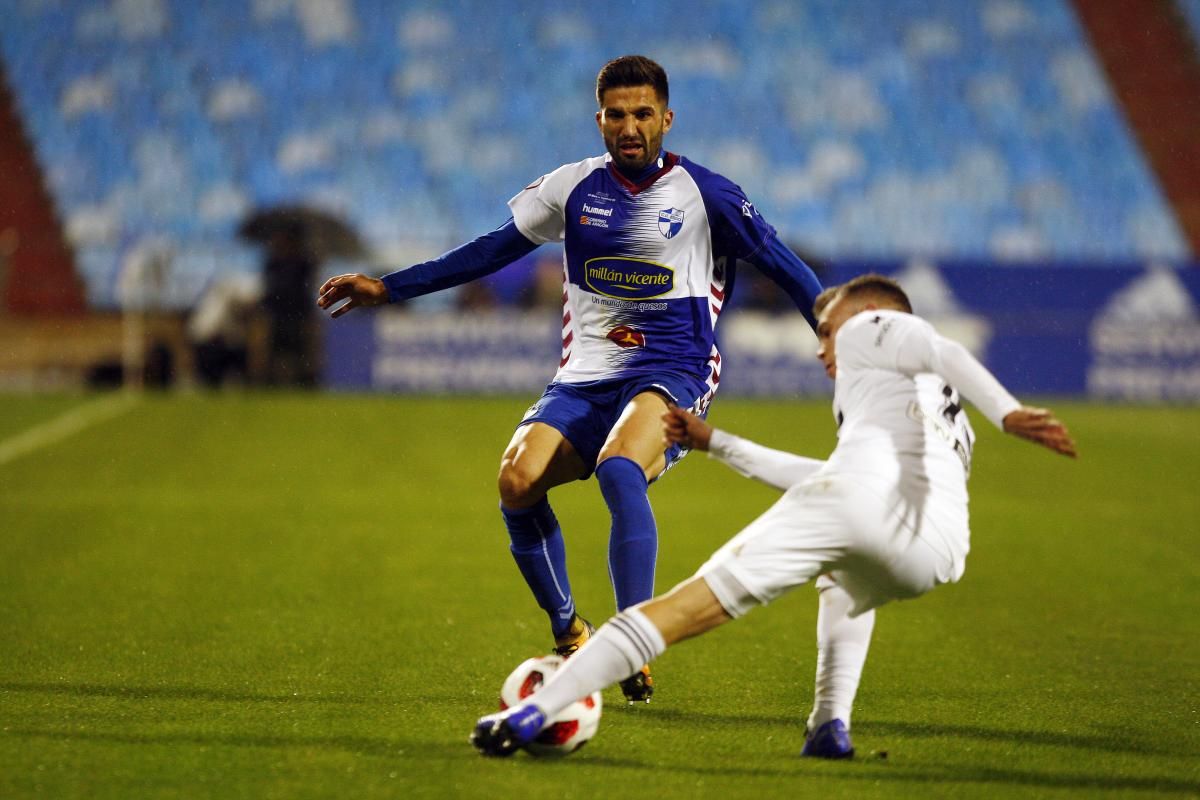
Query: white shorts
x: 877, y: 545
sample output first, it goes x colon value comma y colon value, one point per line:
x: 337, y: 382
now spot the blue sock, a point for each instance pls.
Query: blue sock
x: 633, y: 542
x: 537, y: 547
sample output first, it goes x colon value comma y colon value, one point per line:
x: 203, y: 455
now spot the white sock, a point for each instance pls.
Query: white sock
x: 842, y: 645
x: 617, y: 650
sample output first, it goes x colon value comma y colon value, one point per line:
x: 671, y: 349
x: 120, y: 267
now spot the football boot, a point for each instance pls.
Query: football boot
x: 578, y: 632
x: 638, y: 687
x: 506, y: 732
x: 831, y: 740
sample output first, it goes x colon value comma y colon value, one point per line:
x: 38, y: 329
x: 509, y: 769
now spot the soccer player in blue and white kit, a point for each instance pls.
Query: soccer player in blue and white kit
x: 883, y: 518
x: 651, y: 243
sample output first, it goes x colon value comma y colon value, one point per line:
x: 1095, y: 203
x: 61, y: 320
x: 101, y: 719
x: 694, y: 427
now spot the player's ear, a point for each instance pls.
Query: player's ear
x: 668, y: 119
x: 600, y: 119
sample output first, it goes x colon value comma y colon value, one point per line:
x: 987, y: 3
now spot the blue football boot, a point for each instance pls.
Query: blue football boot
x: 506, y: 732
x: 831, y: 740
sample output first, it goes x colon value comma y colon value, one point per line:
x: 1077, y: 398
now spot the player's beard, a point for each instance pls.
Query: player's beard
x: 650, y: 148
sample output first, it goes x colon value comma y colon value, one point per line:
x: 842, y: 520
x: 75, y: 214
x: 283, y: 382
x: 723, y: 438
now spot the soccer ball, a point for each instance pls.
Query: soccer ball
x: 569, y: 729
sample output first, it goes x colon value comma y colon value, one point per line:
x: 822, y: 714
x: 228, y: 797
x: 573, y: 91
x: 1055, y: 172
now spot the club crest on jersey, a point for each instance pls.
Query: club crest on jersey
x: 626, y: 278
x: 670, y: 220
x: 625, y: 336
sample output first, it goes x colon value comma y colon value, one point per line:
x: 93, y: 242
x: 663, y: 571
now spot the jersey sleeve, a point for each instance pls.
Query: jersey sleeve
x: 775, y: 260
x: 738, y: 229
x: 740, y: 232
x: 539, y: 210
x: 909, y: 345
x: 476, y: 258
x: 775, y: 468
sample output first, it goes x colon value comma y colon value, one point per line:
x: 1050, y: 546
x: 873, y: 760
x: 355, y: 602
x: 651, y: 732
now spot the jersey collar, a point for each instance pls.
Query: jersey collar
x: 653, y: 171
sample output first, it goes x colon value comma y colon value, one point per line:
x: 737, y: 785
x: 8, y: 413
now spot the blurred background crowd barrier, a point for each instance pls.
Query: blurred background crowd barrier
x: 176, y: 178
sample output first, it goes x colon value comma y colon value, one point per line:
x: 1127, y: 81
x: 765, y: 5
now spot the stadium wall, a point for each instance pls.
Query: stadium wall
x: 1127, y: 334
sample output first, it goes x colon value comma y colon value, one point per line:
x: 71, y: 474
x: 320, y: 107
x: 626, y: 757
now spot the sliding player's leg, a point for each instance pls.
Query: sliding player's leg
x: 632, y: 638
x: 762, y: 562
x: 538, y: 458
x: 842, y: 644
x: 891, y: 562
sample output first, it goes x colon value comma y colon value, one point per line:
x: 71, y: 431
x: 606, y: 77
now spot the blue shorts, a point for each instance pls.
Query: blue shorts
x: 585, y: 413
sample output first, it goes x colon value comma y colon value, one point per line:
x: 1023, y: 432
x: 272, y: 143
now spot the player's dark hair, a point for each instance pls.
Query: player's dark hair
x: 632, y: 71
x: 871, y: 283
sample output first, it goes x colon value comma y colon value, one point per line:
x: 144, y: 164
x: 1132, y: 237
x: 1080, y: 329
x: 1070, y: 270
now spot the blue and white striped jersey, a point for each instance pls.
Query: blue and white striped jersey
x: 647, y: 265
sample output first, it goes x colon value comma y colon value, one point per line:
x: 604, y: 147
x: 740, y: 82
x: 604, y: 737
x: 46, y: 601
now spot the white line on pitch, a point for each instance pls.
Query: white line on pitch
x: 65, y: 425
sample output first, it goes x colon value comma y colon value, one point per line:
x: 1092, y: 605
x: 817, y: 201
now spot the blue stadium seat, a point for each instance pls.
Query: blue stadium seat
x: 878, y: 127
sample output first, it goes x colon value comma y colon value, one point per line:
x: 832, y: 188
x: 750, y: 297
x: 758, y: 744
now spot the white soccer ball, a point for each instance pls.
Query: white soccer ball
x: 569, y: 729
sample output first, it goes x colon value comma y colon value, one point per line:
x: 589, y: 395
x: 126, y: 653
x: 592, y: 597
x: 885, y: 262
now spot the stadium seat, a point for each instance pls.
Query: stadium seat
x: 879, y: 128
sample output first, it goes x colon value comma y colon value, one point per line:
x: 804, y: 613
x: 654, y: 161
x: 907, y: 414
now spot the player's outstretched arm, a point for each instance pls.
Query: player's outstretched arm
x: 361, y: 290
x: 776, y: 468
x: 1040, y: 426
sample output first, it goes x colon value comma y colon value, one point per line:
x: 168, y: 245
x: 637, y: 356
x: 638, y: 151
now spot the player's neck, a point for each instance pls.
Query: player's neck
x: 637, y: 176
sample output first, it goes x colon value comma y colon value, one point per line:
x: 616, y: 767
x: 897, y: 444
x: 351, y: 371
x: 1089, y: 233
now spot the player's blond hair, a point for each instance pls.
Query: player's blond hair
x: 872, y: 285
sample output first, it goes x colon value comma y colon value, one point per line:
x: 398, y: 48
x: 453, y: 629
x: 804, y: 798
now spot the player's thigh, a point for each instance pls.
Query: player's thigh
x: 638, y: 433
x: 537, y: 459
x: 805, y: 533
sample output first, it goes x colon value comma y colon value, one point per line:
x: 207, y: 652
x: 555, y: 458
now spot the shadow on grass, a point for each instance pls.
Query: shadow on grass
x: 860, y: 770
x: 1116, y: 742
x: 358, y: 745
x: 174, y: 693
x: 883, y: 771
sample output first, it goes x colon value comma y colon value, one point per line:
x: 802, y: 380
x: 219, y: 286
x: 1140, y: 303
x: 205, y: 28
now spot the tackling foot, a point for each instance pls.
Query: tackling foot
x: 506, y: 732
x: 830, y: 740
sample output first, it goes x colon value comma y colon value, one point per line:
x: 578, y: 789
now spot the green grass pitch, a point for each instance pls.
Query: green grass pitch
x: 311, y: 596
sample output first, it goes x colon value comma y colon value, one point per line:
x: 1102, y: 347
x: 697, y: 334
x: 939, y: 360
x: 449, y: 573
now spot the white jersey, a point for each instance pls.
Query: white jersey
x: 901, y: 426
x: 899, y: 416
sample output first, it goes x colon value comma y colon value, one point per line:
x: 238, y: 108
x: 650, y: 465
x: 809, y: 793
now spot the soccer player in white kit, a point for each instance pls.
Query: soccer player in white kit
x: 883, y: 518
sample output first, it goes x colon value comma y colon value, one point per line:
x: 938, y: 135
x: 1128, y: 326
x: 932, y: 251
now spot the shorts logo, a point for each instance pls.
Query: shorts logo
x: 625, y: 336
x: 627, y: 278
x: 670, y: 220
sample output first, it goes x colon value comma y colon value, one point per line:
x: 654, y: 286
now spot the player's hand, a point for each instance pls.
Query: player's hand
x: 1039, y: 426
x: 686, y: 429
x: 360, y: 289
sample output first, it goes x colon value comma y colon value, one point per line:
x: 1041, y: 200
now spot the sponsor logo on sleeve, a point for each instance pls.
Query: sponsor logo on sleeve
x: 627, y: 278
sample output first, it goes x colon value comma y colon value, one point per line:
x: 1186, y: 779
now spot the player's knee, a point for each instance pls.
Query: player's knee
x: 651, y: 470
x: 518, y: 486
